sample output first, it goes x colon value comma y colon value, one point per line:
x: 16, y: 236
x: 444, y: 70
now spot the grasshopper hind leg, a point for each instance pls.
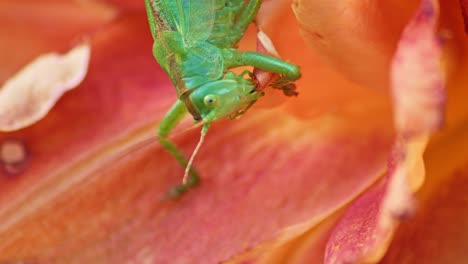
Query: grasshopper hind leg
x: 172, y: 118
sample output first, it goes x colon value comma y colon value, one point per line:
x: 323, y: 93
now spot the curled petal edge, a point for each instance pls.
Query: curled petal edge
x: 366, y: 230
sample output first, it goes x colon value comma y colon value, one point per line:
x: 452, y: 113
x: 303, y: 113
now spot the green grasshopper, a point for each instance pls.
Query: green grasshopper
x: 194, y: 42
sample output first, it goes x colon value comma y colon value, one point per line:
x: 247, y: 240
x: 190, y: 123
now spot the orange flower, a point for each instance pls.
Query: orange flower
x: 295, y: 180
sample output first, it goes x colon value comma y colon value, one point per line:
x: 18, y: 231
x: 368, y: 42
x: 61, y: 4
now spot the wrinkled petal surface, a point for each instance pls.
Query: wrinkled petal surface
x: 274, y: 183
x: 393, y: 201
x: 418, y: 92
x: 100, y: 206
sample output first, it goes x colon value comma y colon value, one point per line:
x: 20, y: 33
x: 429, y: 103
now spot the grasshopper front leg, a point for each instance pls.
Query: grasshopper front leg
x: 288, y: 72
x: 171, y: 119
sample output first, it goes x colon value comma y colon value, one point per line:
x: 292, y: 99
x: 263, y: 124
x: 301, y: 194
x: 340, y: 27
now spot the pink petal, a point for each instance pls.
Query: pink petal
x: 438, y: 232
x: 306, y: 248
x: 366, y: 230
x: 355, y: 237
x: 416, y: 75
x: 418, y: 87
x: 77, y: 201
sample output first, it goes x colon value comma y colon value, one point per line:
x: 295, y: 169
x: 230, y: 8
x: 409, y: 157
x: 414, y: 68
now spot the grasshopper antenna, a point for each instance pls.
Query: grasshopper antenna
x: 200, y: 142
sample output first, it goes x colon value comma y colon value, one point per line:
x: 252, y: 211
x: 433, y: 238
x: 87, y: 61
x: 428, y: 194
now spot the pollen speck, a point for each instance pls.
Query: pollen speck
x: 13, y: 155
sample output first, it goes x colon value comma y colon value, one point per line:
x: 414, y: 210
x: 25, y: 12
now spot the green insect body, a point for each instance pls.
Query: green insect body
x: 194, y: 42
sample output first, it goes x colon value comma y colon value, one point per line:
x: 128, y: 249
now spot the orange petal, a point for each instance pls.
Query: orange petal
x: 30, y: 28
x: 31, y: 93
x: 365, y: 231
x: 419, y: 100
x: 126, y: 5
x: 355, y: 37
x: 322, y: 90
x: 269, y: 171
x: 308, y: 247
x: 438, y: 232
x: 418, y: 88
x: 123, y: 90
x: 119, y: 209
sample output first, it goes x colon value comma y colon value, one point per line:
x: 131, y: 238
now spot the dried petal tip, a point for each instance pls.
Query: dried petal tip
x: 267, y: 44
x: 30, y: 94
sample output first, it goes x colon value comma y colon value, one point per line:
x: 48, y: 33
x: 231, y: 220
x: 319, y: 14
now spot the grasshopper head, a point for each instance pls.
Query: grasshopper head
x: 222, y: 98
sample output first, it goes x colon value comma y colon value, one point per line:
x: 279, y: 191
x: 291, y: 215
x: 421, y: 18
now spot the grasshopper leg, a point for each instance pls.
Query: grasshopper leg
x: 172, y: 118
x: 288, y: 71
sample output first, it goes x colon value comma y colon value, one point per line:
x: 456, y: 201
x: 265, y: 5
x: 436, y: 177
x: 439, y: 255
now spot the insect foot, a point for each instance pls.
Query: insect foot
x: 290, y: 90
x: 178, y: 190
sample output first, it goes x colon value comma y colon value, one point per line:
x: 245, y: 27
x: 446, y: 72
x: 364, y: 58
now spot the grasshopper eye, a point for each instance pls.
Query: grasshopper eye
x: 211, y: 100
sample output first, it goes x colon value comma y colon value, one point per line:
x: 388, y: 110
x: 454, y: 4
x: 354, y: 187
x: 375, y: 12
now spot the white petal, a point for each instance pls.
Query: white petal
x: 30, y: 94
